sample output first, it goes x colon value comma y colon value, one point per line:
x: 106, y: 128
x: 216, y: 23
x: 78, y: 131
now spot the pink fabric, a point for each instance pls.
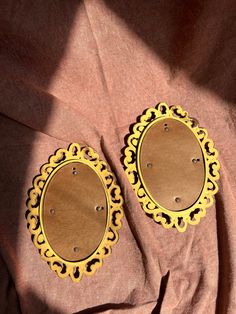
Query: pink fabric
x: 82, y: 71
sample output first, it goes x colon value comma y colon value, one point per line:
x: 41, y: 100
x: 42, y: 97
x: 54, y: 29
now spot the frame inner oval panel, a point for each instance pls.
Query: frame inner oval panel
x: 74, y: 211
x: 171, y: 163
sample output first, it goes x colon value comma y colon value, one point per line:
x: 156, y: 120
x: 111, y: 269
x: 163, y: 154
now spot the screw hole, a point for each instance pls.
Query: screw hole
x: 149, y: 165
x: 52, y: 211
x: 99, y: 208
x: 76, y: 249
x: 74, y: 171
x: 177, y: 199
x: 195, y: 160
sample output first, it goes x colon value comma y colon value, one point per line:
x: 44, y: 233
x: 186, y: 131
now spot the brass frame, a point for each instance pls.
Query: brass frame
x: 87, y: 266
x: 131, y: 160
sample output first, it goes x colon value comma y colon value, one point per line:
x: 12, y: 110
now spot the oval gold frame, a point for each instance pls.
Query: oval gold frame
x: 87, y: 266
x: 168, y: 218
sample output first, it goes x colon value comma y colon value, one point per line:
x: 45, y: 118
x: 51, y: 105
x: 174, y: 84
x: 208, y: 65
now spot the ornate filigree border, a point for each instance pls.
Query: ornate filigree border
x: 168, y: 218
x: 89, y: 265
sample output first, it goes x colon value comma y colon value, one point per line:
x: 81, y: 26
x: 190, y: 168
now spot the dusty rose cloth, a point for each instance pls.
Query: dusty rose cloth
x: 82, y: 72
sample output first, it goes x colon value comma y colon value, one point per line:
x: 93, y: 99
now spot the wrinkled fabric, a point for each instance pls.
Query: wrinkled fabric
x: 82, y: 71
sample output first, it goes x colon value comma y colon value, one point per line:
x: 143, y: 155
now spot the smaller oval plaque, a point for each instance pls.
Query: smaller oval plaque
x: 74, y: 211
x: 172, y: 166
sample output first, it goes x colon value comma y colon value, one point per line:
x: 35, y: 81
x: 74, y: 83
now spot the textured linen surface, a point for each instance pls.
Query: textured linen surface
x: 82, y: 71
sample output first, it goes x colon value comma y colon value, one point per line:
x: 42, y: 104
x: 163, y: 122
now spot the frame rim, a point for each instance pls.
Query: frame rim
x: 114, y: 199
x: 168, y: 219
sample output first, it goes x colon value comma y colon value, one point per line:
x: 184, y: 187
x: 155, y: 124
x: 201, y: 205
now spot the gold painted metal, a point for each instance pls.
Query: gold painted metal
x: 113, y: 209
x: 135, y: 164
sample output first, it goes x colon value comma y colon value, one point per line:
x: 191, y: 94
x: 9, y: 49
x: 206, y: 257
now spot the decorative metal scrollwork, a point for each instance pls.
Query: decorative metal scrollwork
x: 131, y: 159
x: 64, y: 268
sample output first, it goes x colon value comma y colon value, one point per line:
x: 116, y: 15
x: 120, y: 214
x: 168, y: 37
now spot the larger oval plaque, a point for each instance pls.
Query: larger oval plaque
x: 74, y: 211
x: 172, y: 166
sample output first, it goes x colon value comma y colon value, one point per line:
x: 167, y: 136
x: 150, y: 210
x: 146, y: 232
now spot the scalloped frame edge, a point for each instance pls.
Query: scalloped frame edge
x: 88, y: 266
x: 168, y: 219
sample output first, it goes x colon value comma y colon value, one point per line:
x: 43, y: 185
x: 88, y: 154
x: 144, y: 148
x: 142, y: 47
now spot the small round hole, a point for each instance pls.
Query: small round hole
x: 149, y: 165
x: 99, y: 208
x: 76, y: 249
x: 52, y: 211
x: 166, y: 129
x: 177, y: 199
x: 74, y: 171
